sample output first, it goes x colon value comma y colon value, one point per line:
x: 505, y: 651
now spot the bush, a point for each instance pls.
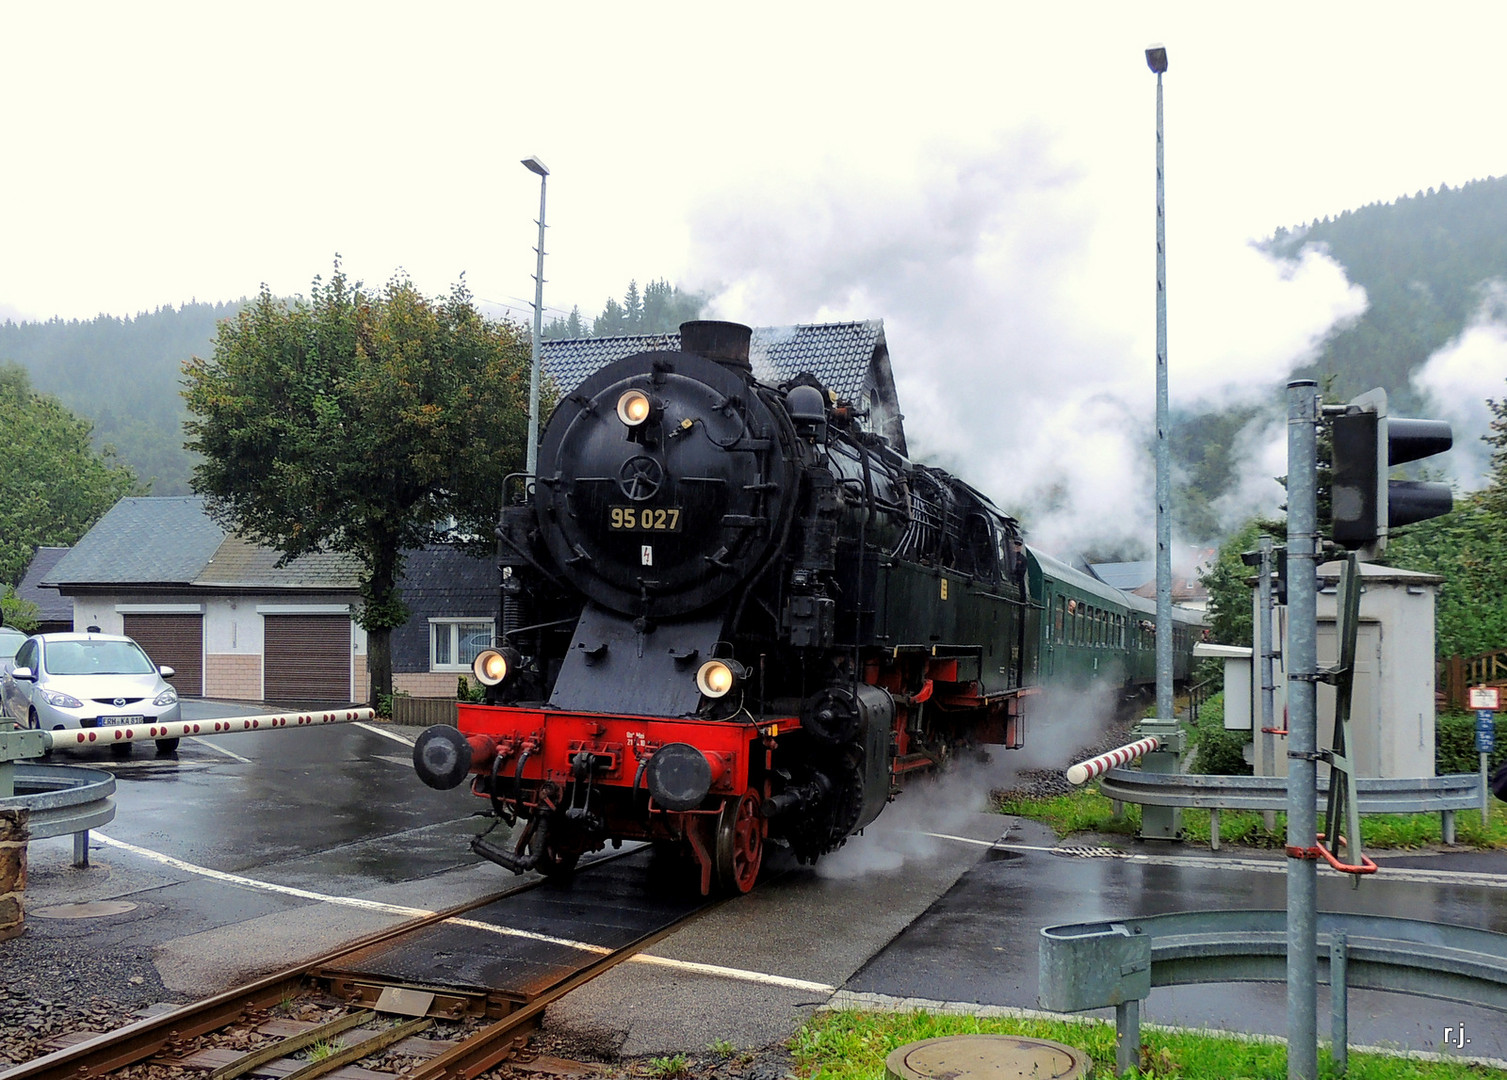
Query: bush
x: 1455, y: 744
x: 1218, y: 752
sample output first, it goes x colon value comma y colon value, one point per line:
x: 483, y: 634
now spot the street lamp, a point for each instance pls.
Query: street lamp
x: 538, y: 168
x: 1156, y: 60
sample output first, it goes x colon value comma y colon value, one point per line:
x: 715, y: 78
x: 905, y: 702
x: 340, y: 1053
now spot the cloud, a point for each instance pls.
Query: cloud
x: 1019, y: 310
x: 1459, y: 378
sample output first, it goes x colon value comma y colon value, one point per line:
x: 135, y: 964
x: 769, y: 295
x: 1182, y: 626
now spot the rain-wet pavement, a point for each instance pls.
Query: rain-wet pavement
x: 321, y: 835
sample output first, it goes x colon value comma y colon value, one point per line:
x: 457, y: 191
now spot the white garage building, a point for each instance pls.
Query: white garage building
x: 216, y: 607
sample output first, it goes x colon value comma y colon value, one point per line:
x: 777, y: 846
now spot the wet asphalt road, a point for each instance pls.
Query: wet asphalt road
x: 333, y: 822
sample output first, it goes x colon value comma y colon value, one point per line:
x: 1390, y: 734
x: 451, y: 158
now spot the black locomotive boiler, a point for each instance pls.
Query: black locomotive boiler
x: 732, y: 617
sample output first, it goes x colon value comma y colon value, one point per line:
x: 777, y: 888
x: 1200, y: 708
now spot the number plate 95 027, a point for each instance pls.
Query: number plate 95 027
x: 643, y: 518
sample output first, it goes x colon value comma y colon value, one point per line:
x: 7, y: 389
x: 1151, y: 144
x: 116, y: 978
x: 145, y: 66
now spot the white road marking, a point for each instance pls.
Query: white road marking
x: 1279, y: 866
x: 252, y: 883
x: 506, y: 931
x: 376, y: 729
x: 214, y: 745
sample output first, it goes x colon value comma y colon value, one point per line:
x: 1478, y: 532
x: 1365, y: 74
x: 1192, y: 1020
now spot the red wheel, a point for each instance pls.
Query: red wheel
x: 740, y: 844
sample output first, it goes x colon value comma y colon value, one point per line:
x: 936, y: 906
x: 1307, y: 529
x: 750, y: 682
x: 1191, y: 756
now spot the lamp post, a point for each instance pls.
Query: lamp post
x: 538, y: 168
x: 1156, y: 60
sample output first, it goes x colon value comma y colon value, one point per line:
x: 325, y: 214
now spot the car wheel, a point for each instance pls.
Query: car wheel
x: 166, y: 746
x: 122, y: 749
x: 35, y: 723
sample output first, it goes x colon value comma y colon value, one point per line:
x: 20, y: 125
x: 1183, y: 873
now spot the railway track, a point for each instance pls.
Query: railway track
x: 445, y: 996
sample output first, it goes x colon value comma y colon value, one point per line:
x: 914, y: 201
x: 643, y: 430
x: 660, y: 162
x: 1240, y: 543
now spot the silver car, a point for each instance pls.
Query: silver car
x: 67, y: 681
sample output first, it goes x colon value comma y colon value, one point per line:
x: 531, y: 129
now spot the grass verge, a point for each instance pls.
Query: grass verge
x: 851, y: 1045
x: 1088, y: 810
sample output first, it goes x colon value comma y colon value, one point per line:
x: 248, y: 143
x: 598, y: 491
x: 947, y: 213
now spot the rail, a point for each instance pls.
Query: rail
x: 1421, y: 795
x: 1117, y: 962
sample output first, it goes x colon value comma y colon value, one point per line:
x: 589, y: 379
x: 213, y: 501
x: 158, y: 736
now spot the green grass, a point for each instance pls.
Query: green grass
x: 1088, y: 811
x: 853, y: 1045
x: 673, y: 1067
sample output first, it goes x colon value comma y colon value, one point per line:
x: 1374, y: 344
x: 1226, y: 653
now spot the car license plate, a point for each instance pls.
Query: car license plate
x: 109, y: 721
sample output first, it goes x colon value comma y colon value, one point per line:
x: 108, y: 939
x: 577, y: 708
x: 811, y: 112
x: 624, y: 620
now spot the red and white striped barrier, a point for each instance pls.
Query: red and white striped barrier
x: 178, y: 729
x: 1085, y: 771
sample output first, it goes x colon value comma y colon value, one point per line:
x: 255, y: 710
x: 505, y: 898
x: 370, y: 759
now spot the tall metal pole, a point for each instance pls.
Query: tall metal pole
x: 1156, y: 59
x: 1302, y: 726
x: 534, y: 165
x: 1268, y: 686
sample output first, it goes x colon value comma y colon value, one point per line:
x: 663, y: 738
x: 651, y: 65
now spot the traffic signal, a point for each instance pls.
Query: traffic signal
x: 1365, y: 504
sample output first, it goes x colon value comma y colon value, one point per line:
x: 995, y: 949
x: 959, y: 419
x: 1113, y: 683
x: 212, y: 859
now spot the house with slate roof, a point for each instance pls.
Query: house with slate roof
x: 850, y: 359
x: 216, y: 607
x: 53, y: 612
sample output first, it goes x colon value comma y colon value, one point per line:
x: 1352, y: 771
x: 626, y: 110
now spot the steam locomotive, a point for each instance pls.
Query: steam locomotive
x: 733, y: 618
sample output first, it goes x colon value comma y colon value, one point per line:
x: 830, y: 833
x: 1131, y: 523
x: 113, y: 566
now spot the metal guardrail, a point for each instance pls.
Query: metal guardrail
x: 64, y: 799
x: 1417, y: 795
x: 1117, y: 962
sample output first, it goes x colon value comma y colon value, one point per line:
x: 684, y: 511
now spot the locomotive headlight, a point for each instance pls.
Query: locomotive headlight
x: 716, y: 678
x: 634, y: 407
x: 492, y: 666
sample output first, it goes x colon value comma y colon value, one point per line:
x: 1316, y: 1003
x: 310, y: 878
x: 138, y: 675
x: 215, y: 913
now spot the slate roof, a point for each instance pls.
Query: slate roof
x: 1125, y: 576
x: 142, y: 541
x: 172, y: 541
x: 838, y: 354
x: 51, y: 607
x: 240, y: 563
x: 442, y: 570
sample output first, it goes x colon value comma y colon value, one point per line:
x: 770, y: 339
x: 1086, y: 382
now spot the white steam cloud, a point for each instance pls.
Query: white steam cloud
x: 1061, y: 729
x: 1459, y: 378
x: 1019, y: 311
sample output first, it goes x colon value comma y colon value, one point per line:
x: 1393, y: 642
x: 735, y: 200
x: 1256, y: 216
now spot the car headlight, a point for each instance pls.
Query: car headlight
x: 167, y: 697
x: 59, y: 700
x: 716, y: 678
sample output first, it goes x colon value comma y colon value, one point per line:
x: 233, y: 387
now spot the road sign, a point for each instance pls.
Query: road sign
x: 1486, y: 731
x: 1484, y: 697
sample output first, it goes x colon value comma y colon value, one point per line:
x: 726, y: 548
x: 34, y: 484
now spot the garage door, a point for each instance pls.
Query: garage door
x: 306, y: 658
x: 176, y: 641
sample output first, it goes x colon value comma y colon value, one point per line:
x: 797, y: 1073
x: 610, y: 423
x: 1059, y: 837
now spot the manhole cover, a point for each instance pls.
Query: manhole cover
x: 975, y: 1057
x: 94, y: 909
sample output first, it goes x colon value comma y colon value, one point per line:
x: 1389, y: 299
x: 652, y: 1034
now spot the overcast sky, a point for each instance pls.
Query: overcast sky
x: 979, y: 176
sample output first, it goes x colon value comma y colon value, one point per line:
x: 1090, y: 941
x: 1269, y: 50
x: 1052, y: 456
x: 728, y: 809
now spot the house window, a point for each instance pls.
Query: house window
x: 454, y: 643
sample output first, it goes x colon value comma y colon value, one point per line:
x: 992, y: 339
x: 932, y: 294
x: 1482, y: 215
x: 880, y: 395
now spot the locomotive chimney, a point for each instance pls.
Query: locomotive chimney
x: 724, y: 342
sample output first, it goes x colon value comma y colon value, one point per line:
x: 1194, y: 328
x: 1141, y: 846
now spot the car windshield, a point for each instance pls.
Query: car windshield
x: 97, y: 658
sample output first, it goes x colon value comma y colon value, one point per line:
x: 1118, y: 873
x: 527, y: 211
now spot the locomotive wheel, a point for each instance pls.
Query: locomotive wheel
x: 740, y: 844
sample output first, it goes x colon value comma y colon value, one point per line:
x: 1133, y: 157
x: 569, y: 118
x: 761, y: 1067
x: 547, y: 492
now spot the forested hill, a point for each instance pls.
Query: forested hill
x: 123, y: 374
x: 1423, y: 261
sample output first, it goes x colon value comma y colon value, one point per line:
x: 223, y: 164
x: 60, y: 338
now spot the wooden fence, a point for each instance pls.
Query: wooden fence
x: 422, y: 711
x: 1456, y: 674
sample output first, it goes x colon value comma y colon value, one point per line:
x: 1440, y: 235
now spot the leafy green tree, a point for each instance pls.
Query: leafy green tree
x: 362, y: 422
x: 1496, y: 490
x: 1468, y: 548
x: 16, y: 613
x: 53, y: 486
x: 1230, y: 618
